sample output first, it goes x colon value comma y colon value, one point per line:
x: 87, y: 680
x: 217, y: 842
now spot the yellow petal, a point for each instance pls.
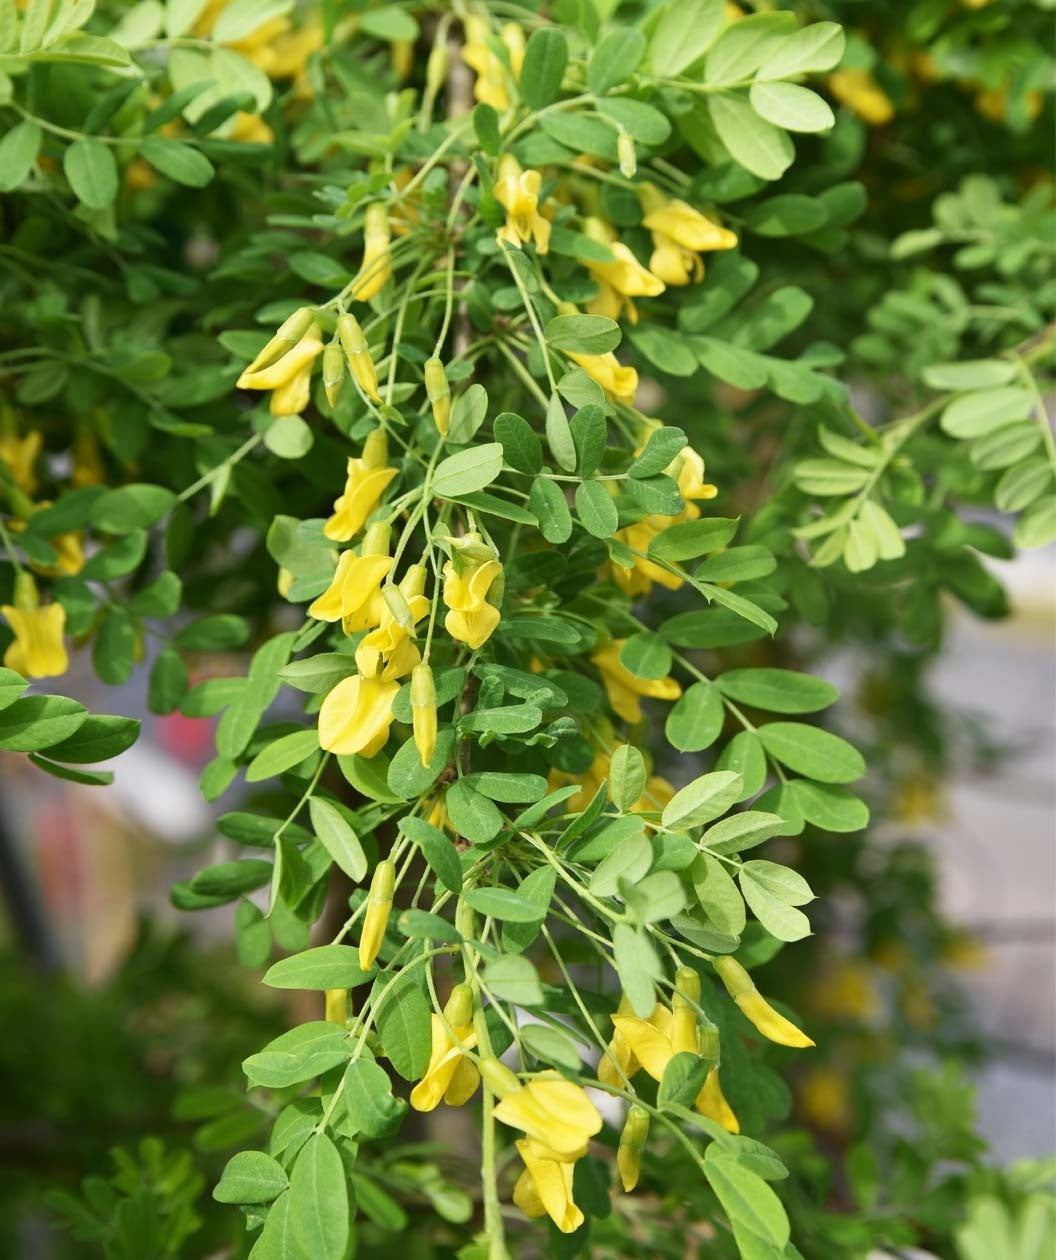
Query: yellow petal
x: 770, y: 1023
x: 356, y: 715
x: 554, y: 1111
x: 711, y: 1102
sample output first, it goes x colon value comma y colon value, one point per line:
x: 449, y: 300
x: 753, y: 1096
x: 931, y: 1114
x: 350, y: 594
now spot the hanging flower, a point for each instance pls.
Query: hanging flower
x: 619, y: 382
x: 491, y: 85
x: 38, y: 650
x: 624, y: 689
x: 288, y: 376
x: 553, y: 1111
x: 680, y: 235
x: 20, y: 456
x: 356, y: 715
x: 468, y: 580
x: 389, y: 650
x: 620, y: 280
x: 769, y: 1022
x: 377, y: 255
x: 517, y: 191
x: 544, y: 1188
x: 860, y: 92
x: 450, y: 1075
x: 354, y: 595
x: 366, y: 481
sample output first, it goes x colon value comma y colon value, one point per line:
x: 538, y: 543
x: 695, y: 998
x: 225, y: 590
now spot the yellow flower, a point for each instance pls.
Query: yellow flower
x: 20, y: 455
x: 438, y: 392
x: 657, y: 790
x: 280, y: 48
x: 632, y: 1139
x: 512, y: 37
x: 518, y: 192
x: 491, y: 86
x: 38, y: 650
x: 379, y: 907
x: 620, y: 280
x: 356, y: 715
x: 756, y: 1008
x: 289, y: 376
x: 467, y: 582
x: 88, y: 469
x: 377, y: 256
x: 251, y: 129
x: 545, y: 1186
x: 860, y: 92
x: 553, y: 1112
x: 824, y: 1099
x: 389, y: 651
x: 619, y: 382
x: 651, y: 1044
x: 366, y: 480
x: 336, y: 1006
x: 354, y: 595
x: 450, y: 1075
x: 680, y: 235
x: 624, y: 689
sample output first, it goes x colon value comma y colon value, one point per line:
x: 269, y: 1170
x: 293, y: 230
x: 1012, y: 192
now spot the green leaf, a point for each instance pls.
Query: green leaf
x: 438, y: 850
x: 546, y: 499
x: 98, y: 738
x: 521, y: 447
x: 737, y: 564
x: 319, y: 674
x: 745, y: 45
x: 789, y: 214
x: 829, y: 807
x: 536, y: 890
x: 551, y: 1045
x: 984, y: 410
x: 160, y: 598
x: 180, y: 162
x: 131, y: 507
x: 809, y: 50
x: 325, y: 967
x: 252, y: 935
x: 627, y: 776
x: 614, y: 59
x: 792, y: 107
x: 512, y: 978
x: 637, y: 966
x: 338, y: 838
x: 777, y: 690
x: 318, y: 1204
x: 756, y: 144
x: 583, y: 334
x: 404, y: 1028
x: 683, y: 1079
x: 545, y: 59
x: 718, y: 895
x: 686, y: 30
x: 468, y: 412
x: 655, y: 898
x: 628, y: 861
x: 779, y: 881
x: 969, y: 374
x: 18, y: 151
x: 743, y: 831
x: 503, y: 904
x: 702, y: 800
x: 472, y: 814
x: 282, y: 754
x: 468, y: 470
x: 242, y: 17
x: 812, y: 752
x: 689, y: 539
x: 424, y: 926
x: 696, y: 720
x: 90, y: 167
x: 12, y: 685
x: 1021, y: 484
x: 368, y: 1099
x: 231, y: 879
x: 298, y: 1055
x: 646, y: 655
x: 408, y: 778
x: 33, y: 723
x: 289, y: 437
x: 216, y: 633
x: 89, y: 778
x: 513, y: 719
x: 642, y: 122
x: 251, y: 1177
x: 390, y: 23
x: 746, y: 1198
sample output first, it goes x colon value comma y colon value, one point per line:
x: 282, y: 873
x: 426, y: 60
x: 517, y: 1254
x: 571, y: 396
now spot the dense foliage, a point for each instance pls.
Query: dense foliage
x: 525, y: 401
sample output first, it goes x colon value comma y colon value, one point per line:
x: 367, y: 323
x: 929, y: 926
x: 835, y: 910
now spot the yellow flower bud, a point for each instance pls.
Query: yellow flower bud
x: 439, y: 394
x: 336, y: 1006
x: 684, y: 1003
x: 377, y: 257
x: 423, y: 712
x: 436, y: 68
x: 333, y: 372
x: 625, y: 152
x: 498, y: 1077
x: 632, y: 1140
x: 288, y: 334
x: 459, y: 1007
x: 360, y: 364
x: 756, y: 1008
x: 379, y: 905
